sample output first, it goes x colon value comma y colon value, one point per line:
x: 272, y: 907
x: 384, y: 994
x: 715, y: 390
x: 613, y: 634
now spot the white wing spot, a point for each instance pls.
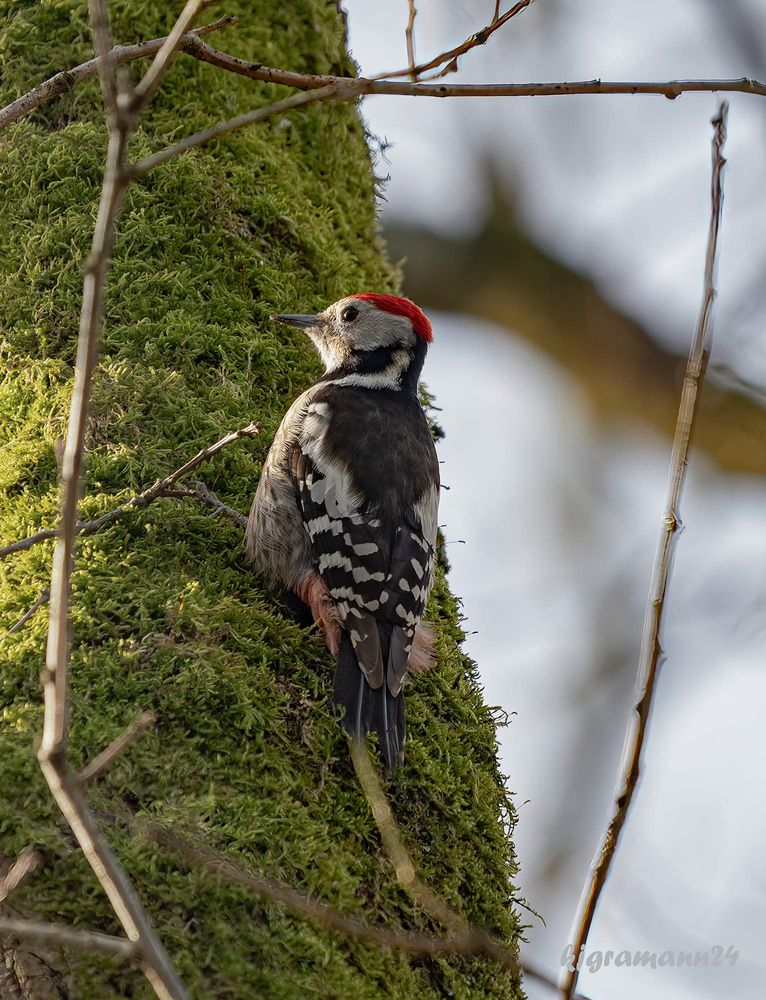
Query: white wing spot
x: 365, y: 548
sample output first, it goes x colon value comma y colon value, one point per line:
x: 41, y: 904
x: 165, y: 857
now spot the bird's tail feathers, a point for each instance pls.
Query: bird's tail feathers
x: 369, y: 709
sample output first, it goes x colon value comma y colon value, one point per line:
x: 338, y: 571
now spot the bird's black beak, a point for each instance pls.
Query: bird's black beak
x: 303, y: 322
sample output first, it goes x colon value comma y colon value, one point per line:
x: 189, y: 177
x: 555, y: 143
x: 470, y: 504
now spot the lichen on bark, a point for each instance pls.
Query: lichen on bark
x: 166, y: 613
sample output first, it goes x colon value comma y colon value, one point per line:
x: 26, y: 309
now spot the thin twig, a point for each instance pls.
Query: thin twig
x: 160, y: 488
x: 472, y: 938
x: 345, y: 89
x: 409, y: 35
x: 28, y: 861
x: 108, y: 755
x: 41, y: 600
x: 200, y: 854
x: 65, y: 937
x: 651, y: 655
x: 63, y: 82
x: 147, y: 87
x: 204, y: 495
x: 451, y: 56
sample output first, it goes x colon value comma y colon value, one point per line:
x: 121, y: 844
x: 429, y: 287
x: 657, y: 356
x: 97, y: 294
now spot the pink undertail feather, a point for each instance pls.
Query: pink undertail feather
x: 423, y: 648
x: 313, y: 591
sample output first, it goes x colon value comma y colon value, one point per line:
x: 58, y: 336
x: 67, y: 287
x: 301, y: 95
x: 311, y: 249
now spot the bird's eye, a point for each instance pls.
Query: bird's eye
x: 349, y: 314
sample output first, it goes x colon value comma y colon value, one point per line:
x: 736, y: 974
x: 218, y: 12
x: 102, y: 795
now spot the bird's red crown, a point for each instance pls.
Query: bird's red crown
x: 401, y: 307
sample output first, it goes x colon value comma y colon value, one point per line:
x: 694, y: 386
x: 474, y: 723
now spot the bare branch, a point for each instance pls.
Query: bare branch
x: 206, y: 496
x: 451, y: 56
x: 223, y: 867
x: 41, y: 600
x: 473, y: 939
x: 350, y: 88
x: 409, y: 35
x: 160, y: 488
x: 154, y: 76
x: 108, y: 755
x: 651, y: 656
x: 25, y: 864
x: 65, y: 937
x: 345, y: 89
x: 366, y: 86
x: 64, y: 81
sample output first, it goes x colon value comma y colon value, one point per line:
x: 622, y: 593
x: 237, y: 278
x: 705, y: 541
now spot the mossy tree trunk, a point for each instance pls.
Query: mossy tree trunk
x: 167, y: 614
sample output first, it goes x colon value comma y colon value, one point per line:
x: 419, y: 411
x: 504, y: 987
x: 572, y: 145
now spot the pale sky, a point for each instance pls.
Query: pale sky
x: 560, y: 517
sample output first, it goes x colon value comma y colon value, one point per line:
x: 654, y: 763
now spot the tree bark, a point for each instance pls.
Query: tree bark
x: 167, y: 616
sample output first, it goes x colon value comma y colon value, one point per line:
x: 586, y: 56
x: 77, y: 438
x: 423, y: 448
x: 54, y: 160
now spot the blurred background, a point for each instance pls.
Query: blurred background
x: 558, y: 244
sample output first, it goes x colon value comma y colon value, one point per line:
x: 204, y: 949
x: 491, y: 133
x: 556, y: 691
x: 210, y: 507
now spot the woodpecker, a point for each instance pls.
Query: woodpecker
x: 345, y: 513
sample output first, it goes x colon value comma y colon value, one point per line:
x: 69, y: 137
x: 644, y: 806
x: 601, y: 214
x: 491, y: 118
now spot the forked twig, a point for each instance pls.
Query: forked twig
x: 387, y: 84
x: 160, y: 488
x: 473, y: 939
x: 651, y: 655
x: 451, y: 56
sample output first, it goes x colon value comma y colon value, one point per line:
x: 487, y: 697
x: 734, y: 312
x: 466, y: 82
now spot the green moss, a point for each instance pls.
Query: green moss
x: 167, y: 615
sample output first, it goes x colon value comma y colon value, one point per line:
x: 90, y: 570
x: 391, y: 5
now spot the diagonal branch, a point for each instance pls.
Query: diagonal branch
x: 28, y: 861
x: 197, y: 853
x: 61, y: 83
x: 651, y: 655
x: 30, y: 612
x: 146, y: 720
x: 451, y: 56
x: 473, y: 939
x: 154, y: 76
x: 160, y: 488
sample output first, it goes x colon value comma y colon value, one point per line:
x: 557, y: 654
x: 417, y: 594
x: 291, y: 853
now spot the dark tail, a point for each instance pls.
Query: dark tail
x: 369, y: 709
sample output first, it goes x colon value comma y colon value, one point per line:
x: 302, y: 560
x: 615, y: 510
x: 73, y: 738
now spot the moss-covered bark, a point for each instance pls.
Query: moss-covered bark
x: 167, y: 614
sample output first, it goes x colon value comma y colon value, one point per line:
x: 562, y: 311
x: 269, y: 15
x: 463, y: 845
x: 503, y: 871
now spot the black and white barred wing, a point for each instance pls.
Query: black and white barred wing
x: 375, y: 571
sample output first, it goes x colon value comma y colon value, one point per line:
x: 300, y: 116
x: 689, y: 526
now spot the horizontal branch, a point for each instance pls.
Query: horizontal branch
x: 160, y: 488
x: 66, y: 937
x: 367, y: 86
x: 192, y: 44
